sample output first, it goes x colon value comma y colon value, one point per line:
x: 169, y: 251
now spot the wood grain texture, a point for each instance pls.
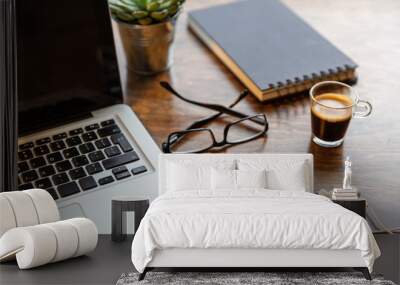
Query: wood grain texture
x: 368, y: 31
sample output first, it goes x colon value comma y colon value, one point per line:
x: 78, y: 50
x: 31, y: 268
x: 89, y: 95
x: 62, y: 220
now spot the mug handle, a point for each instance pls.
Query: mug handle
x: 366, y: 109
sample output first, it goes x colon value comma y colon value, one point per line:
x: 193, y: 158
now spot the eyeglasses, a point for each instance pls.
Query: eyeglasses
x: 195, y: 139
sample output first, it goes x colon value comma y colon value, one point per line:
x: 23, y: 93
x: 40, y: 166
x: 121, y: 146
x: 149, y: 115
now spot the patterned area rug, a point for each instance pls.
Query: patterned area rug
x: 243, y: 278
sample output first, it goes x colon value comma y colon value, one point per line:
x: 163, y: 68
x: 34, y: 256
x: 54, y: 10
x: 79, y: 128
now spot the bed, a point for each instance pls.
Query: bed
x: 246, y: 211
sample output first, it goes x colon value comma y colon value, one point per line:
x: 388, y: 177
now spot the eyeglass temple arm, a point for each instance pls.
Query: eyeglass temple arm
x: 200, y: 123
x: 214, y: 107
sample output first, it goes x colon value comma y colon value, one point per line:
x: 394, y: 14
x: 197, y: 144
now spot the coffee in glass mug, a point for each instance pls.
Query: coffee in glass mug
x: 333, y: 105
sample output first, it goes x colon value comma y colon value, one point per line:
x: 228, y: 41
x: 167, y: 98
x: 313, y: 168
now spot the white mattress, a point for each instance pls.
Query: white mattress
x: 250, y: 219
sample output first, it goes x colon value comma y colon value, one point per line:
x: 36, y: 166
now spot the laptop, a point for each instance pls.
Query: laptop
x: 77, y: 139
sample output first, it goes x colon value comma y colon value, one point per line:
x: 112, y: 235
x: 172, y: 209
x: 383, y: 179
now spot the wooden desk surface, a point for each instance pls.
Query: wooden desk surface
x: 368, y: 31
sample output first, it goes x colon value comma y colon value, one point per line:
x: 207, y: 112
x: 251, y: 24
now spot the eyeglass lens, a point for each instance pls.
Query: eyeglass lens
x: 194, y: 141
x: 244, y: 130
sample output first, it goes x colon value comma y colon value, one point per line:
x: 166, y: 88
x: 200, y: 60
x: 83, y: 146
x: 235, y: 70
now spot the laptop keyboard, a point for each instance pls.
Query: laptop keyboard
x: 78, y: 160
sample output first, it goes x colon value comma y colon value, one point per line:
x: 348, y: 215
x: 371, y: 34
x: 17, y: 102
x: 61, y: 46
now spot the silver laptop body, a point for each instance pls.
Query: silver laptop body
x: 77, y: 140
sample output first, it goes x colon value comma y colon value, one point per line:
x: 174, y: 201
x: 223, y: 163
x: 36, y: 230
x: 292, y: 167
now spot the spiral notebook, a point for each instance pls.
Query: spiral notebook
x: 269, y: 48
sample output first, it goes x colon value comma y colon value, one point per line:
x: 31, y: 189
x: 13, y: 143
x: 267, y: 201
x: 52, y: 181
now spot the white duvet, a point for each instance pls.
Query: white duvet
x: 250, y: 219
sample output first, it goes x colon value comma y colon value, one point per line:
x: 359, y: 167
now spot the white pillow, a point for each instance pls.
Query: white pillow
x: 183, y: 178
x: 226, y: 179
x: 193, y: 175
x: 223, y: 179
x: 251, y: 178
x: 293, y: 180
x: 287, y: 175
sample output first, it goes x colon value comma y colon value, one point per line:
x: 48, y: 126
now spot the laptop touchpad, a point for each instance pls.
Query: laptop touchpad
x: 71, y: 211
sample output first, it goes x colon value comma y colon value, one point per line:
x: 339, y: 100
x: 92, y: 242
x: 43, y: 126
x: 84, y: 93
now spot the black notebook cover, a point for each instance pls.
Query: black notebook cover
x: 270, y: 44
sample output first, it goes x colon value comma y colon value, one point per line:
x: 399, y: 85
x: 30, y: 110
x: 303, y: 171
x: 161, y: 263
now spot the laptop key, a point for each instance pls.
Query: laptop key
x: 119, y: 169
x: 73, y: 141
x: 80, y: 160
x: 94, y: 168
x: 68, y: 189
x: 25, y: 154
x: 138, y: 170
x: 90, y: 136
x: 112, y: 151
x: 122, y: 175
x: 37, y: 162
x: 96, y: 156
x: 86, y: 148
x: 41, y: 150
x: 107, y: 122
x: 102, y: 143
x: 121, y: 140
x: 54, y: 157
x: 76, y: 132
x: 87, y: 183
x: 26, y: 146
x: 106, y: 180
x: 53, y: 193
x: 47, y: 171
x: 92, y: 127
x: 60, y: 178
x: 77, y: 173
x: 57, y: 145
x: 108, y: 131
x: 63, y: 165
x: 120, y: 160
x: 71, y: 152
x: 60, y: 136
x: 26, y: 186
x: 43, y: 141
x: 43, y: 183
x: 29, y: 176
x: 22, y: 166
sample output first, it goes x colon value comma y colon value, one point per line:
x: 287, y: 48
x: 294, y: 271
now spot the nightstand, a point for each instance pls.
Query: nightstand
x: 358, y: 206
x: 121, y: 205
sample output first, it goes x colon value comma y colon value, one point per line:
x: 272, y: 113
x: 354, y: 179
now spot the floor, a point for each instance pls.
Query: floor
x: 104, y: 266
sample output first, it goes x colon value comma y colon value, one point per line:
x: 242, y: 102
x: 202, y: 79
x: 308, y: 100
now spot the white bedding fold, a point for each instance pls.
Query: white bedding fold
x: 250, y: 219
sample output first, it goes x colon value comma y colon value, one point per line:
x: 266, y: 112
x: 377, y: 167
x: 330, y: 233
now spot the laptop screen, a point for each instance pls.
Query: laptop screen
x: 67, y: 65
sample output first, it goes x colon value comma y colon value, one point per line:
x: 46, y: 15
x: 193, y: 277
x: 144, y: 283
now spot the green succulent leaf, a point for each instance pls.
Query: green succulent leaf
x: 116, y: 9
x: 152, y: 6
x: 159, y: 15
x: 141, y: 3
x: 140, y: 14
x: 145, y: 21
x: 129, y: 4
x: 116, y: 5
x: 165, y: 5
x: 172, y: 10
x: 125, y: 16
x: 144, y: 12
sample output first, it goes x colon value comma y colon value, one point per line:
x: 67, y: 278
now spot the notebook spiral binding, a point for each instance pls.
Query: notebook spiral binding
x: 296, y: 85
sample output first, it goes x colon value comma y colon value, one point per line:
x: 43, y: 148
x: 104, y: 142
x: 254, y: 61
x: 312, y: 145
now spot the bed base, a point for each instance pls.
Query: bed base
x: 251, y: 259
x: 363, y: 270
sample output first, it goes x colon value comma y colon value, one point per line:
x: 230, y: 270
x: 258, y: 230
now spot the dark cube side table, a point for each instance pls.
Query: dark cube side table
x: 357, y: 206
x: 121, y: 205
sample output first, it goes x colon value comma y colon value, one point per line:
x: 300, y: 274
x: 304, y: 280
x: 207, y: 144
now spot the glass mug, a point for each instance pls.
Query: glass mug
x: 333, y: 105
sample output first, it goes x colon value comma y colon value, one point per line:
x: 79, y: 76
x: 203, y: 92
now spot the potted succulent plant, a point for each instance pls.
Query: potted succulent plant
x: 147, y: 29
